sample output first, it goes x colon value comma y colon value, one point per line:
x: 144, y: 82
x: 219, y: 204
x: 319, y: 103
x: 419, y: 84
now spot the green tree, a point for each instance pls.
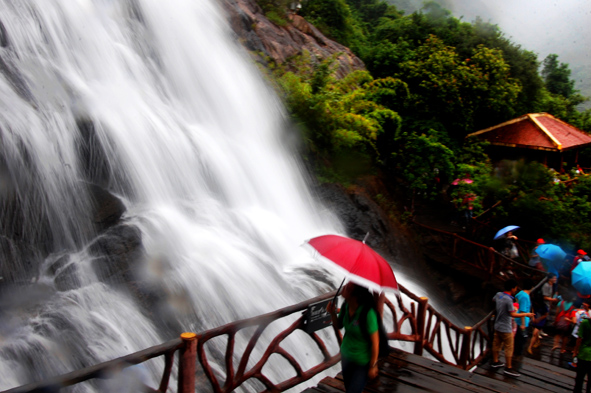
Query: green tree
x: 369, y: 11
x: 334, y: 19
x: 557, y: 77
x: 560, y: 98
x: 423, y: 163
x: 339, y: 114
x: 564, y: 108
x: 431, y: 79
x: 455, y: 90
x: 413, y: 31
x: 523, y: 64
x: 383, y: 59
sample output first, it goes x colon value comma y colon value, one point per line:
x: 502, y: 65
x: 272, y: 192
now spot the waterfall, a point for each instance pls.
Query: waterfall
x: 154, y: 104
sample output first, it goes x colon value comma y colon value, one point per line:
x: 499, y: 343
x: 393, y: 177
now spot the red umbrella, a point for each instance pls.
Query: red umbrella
x: 360, y: 263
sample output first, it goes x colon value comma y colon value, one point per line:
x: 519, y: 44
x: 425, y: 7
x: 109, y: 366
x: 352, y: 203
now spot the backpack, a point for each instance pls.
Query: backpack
x: 384, y: 346
x: 560, y: 320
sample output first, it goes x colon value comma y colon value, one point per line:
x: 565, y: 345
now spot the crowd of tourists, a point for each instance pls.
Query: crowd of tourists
x: 524, y: 317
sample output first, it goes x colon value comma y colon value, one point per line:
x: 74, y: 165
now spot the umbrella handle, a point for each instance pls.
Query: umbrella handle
x: 334, y: 300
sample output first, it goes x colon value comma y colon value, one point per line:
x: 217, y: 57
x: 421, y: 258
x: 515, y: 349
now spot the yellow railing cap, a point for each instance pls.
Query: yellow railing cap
x: 188, y: 336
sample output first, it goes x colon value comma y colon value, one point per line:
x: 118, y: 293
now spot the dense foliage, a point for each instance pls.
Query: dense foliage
x: 432, y: 79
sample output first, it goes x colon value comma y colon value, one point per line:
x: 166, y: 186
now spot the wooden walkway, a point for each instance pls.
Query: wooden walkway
x: 405, y: 372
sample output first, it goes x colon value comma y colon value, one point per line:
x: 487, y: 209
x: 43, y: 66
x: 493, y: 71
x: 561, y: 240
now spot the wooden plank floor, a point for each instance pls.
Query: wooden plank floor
x: 544, y: 353
x: 405, y: 372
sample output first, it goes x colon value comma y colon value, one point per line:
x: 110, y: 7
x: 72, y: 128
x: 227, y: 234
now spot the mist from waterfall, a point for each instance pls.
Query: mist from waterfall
x: 177, y: 124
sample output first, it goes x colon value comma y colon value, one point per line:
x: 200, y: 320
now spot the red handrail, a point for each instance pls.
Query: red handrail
x: 423, y: 323
x: 474, y: 254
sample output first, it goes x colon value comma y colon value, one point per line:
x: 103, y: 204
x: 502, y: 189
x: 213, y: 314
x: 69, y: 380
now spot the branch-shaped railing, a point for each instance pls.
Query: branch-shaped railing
x: 461, y: 347
x: 237, y: 376
x: 466, y: 346
x: 107, y: 369
x: 475, y: 254
x: 432, y: 332
x: 191, y: 347
x: 407, y: 318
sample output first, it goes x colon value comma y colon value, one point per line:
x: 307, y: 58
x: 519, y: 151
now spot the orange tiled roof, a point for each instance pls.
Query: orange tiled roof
x: 540, y: 131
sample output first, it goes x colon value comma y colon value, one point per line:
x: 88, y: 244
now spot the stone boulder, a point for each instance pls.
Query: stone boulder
x: 119, y: 253
x: 65, y: 273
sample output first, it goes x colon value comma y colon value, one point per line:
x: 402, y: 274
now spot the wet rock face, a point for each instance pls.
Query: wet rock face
x: 93, y: 158
x: 116, y: 257
x: 361, y: 215
x: 22, y: 258
x: 118, y: 253
x: 120, y: 261
x: 108, y: 209
x: 3, y: 36
x: 19, y: 263
x: 29, y: 230
x: 65, y: 274
x: 279, y: 43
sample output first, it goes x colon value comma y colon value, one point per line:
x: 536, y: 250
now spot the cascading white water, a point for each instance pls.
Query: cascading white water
x: 191, y: 141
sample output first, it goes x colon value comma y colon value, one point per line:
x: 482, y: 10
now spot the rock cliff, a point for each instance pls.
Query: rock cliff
x: 265, y: 40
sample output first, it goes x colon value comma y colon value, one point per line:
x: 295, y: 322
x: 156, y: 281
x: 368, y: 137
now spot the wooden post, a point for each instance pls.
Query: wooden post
x: 465, y: 351
x: 187, y: 360
x: 421, y: 320
x: 561, y: 162
x: 490, y: 325
x: 491, y: 259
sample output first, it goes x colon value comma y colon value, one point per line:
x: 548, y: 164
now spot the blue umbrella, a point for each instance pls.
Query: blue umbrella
x: 581, y: 278
x: 552, y: 254
x: 501, y: 232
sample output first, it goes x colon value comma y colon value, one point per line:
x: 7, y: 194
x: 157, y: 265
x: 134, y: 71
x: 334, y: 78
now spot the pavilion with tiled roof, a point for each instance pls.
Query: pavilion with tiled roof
x: 554, y: 139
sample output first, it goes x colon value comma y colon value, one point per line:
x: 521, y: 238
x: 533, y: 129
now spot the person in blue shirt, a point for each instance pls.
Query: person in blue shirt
x: 524, y: 302
x: 503, y: 337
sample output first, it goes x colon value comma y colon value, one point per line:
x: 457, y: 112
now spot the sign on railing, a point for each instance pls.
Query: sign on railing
x: 317, y: 317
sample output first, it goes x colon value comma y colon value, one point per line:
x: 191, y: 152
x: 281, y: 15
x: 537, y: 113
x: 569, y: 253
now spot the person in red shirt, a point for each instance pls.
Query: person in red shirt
x: 580, y: 257
x: 535, y: 260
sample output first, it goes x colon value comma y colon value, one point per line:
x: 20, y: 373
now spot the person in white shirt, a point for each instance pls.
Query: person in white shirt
x: 580, y: 314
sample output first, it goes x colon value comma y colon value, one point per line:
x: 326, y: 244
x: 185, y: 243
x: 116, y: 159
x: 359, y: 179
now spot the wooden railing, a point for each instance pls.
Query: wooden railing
x: 192, y: 346
x: 236, y: 377
x: 440, y: 337
x: 466, y: 346
x: 407, y: 318
x: 481, y: 257
x: 110, y: 368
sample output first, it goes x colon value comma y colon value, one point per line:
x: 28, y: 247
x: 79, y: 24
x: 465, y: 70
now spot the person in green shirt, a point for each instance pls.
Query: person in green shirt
x: 583, y: 353
x: 359, y: 349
